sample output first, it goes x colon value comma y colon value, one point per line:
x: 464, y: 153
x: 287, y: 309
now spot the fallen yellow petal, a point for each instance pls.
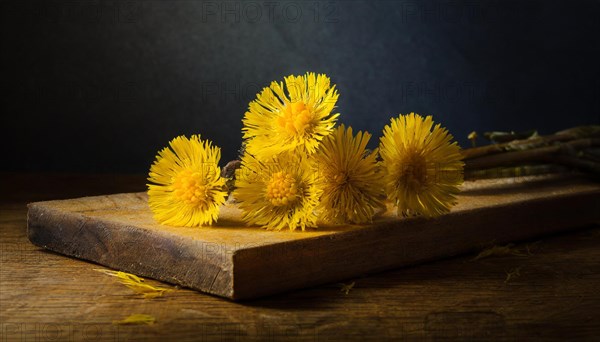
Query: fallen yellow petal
x: 136, y: 284
x: 509, y: 249
x: 512, y: 274
x: 137, y: 319
x: 347, y: 287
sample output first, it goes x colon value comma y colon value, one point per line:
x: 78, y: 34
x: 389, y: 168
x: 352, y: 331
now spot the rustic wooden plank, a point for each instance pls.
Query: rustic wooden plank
x: 46, y: 296
x: 238, y: 262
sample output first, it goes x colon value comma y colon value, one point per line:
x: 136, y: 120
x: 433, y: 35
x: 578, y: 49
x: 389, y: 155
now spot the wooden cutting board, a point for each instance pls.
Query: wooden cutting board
x: 239, y: 262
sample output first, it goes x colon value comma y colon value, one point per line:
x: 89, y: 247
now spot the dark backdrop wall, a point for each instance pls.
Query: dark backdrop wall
x: 100, y: 86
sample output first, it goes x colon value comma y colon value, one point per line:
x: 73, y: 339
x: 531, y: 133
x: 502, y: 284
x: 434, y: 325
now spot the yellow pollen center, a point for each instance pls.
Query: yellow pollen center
x: 282, y: 189
x: 188, y: 187
x: 413, y: 173
x: 295, y: 118
x: 341, y: 178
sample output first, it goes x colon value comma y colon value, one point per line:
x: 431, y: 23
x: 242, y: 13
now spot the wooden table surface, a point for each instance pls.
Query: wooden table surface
x: 553, y: 292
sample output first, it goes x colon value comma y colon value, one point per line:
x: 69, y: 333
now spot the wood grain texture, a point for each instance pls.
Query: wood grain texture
x: 48, y: 297
x: 239, y: 262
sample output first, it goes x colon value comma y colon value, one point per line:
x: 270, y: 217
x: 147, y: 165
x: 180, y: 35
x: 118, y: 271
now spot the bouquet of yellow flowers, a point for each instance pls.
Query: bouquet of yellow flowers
x: 298, y: 169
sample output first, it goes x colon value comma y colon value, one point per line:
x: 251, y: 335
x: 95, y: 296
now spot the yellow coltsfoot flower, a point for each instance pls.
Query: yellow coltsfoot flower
x: 278, y: 193
x: 188, y: 188
x: 352, y: 187
x: 277, y: 122
x: 422, y: 166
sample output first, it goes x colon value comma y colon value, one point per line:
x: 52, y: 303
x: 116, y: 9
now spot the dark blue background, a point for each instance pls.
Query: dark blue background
x: 100, y: 86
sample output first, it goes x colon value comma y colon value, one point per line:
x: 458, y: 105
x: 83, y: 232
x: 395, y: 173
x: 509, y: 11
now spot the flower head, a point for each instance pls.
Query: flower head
x: 422, y: 167
x: 279, y: 193
x: 276, y: 122
x: 188, y: 188
x: 352, y: 187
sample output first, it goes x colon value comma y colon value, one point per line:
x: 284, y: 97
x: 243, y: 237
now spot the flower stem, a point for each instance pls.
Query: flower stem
x: 574, y: 148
